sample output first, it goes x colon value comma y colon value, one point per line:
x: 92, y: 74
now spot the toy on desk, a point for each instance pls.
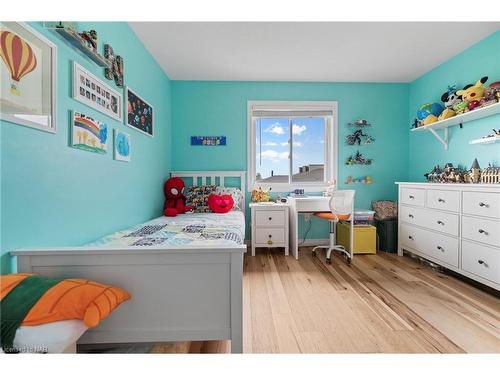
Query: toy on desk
x: 297, y: 193
x: 261, y: 195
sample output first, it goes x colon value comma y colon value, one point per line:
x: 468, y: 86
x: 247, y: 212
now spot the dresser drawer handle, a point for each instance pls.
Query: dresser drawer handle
x: 270, y: 218
x: 410, y: 215
x: 441, y: 200
x: 481, y: 204
x: 440, y: 222
x: 440, y: 248
x: 411, y: 197
x: 480, y: 261
x: 483, y: 232
x: 410, y: 237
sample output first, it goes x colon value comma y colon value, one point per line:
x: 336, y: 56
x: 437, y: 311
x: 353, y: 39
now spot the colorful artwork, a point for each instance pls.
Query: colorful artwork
x: 27, y: 73
x: 122, y: 146
x: 139, y: 113
x: 88, y: 134
x: 208, y: 141
x: 90, y: 90
x: 115, y: 71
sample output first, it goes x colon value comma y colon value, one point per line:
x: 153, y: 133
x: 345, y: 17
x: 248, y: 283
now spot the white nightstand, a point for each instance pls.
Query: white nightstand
x: 269, y: 225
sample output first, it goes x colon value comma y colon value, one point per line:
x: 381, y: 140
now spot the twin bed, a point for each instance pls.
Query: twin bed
x: 184, y: 273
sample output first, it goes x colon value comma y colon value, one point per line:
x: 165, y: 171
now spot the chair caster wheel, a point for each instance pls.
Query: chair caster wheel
x: 328, y: 261
x: 349, y: 260
x: 314, y: 253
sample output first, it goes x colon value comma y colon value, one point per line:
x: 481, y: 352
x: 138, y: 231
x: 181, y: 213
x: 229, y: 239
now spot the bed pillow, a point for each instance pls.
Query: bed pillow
x: 85, y: 300
x: 197, y: 196
x: 236, y: 193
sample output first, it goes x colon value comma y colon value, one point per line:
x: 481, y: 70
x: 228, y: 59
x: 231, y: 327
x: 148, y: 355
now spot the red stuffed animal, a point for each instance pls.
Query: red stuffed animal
x: 175, y: 201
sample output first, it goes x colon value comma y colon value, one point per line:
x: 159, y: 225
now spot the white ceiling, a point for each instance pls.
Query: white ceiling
x: 305, y: 51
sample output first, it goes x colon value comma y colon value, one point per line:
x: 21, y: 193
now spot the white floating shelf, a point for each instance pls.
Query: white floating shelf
x: 483, y: 141
x: 476, y: 114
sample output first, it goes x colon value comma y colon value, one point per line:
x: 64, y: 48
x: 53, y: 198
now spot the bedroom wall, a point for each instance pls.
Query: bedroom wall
x: 220, y: 108
x: 55, y: 195
x: 481, y: 59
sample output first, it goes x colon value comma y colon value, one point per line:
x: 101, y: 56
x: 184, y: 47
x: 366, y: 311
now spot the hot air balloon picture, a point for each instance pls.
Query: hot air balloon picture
x: 27, y: 76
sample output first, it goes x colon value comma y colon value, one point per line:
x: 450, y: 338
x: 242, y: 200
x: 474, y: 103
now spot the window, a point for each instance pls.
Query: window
x: 292, y: 144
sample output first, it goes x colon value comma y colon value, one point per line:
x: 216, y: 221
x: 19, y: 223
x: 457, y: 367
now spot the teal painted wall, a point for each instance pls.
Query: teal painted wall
x: 220, y: 108
x: 482, y: 59
x: 55, y: 195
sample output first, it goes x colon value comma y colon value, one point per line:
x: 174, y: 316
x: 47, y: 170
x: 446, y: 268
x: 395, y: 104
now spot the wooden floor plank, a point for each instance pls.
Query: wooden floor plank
x: 380, y: 303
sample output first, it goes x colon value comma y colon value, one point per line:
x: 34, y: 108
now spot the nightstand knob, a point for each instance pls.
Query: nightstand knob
x: 410, y: 237
x: 411, y: 197
x: 270, y: 218
x: 441, y: 200
x: 440, y: 248
x: 481, y: 204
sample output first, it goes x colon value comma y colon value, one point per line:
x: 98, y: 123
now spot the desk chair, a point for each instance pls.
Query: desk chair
x: 342, y: 208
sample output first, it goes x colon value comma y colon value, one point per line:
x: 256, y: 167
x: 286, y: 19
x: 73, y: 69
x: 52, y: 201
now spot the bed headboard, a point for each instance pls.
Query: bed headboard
x: 219, y: 178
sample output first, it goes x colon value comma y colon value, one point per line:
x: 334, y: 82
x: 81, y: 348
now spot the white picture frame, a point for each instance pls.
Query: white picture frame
x: 129, y: 93
x: 95, y: 93
x: 43, y: 115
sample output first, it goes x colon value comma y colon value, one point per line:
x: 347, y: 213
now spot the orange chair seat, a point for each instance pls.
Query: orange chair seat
x: 332, y: 216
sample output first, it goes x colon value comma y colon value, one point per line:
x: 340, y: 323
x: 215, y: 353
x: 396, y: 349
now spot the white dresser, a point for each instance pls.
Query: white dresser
x: 454, y: 225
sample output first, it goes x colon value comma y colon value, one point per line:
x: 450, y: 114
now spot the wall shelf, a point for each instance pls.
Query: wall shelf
x: 484, y: 141
x: 76, y: 41
x: 476, y: 114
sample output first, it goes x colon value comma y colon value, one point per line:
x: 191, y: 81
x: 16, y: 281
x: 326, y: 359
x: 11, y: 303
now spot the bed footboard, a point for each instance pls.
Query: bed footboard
x: 178, y: 294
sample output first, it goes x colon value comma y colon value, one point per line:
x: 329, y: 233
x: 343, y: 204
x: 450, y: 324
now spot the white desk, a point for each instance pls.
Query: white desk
x: 304, y: 205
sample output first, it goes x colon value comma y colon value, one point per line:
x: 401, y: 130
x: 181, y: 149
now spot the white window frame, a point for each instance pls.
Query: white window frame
x: 331, y: 143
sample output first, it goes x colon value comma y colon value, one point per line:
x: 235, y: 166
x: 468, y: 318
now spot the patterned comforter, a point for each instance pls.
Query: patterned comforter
x: 197, y: 230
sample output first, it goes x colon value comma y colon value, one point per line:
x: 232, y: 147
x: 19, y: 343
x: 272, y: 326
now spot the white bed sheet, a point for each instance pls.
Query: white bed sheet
x: 196, y: 229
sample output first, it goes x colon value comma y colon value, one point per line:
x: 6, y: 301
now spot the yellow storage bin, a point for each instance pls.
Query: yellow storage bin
x: 365, y: 238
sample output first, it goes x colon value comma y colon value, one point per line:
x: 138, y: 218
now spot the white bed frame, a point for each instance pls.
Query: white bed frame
x: 178, y: 293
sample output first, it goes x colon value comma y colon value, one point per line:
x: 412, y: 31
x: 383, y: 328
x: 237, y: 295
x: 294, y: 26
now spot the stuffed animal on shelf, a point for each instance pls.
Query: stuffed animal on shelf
x: 450, y: 97
x: 175, y: 201
x: 472, y: 94
x: 429, y: 112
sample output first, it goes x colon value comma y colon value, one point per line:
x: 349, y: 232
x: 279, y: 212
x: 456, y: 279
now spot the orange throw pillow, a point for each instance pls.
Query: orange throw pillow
x: 69, y: 299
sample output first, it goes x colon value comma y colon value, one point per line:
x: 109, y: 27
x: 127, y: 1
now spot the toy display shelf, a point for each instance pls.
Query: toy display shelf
x: 76, y: 41
x: 476, y: 114
x: 486, y: 140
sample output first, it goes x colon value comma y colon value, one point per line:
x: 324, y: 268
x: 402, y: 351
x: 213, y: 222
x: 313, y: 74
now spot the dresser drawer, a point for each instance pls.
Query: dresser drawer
x: 448, y: 200
x: 482, y: 204
x: 440, y: 221
x: 435, y: 245
x: 481, y: 230
x: 415, y: 197
x: 270, y: 236
x: 270, y: 218
x: 481, y: 260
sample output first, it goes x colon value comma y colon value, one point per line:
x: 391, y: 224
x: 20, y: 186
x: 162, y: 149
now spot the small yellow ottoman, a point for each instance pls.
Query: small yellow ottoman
x: 365, y: 238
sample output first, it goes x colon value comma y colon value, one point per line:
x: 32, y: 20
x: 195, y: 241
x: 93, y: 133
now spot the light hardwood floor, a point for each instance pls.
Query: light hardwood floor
x: 380, y: 304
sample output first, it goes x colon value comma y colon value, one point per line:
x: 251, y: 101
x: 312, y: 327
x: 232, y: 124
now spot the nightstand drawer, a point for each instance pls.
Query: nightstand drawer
x: 269, y: 236
x: 270, y: 218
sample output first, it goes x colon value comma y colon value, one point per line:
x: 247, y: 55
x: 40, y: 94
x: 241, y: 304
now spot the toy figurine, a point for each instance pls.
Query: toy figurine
x: 450, y: 97
x: 349, y: 180
x: 260, y: 195
x: 115, y: 70
x: 358, y: 159
x: 472, y: 94
x: 474, y: 172
x: 368, y: 180
x: 360, y: 123
x: 90, y: 37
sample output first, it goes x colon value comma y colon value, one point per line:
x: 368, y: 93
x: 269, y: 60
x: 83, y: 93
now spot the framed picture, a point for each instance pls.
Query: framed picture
x: 90, y: 90
x: 122, y: 146
x: 88, y: 134
x: 28, y: 69
x: 139, y: 113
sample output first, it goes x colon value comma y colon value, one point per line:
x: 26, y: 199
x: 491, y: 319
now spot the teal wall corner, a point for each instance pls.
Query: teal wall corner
x: 479, y: 60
